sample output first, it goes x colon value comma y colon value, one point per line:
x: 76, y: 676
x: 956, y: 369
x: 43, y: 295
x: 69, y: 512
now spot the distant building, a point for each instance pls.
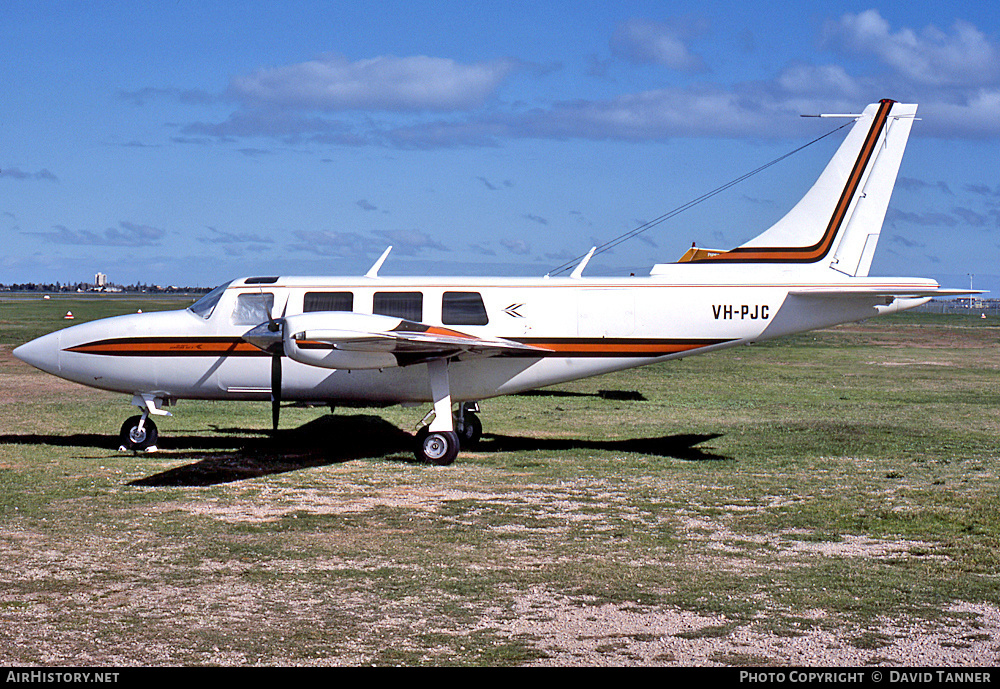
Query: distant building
x: 975, y: 304
x: 100, y: 280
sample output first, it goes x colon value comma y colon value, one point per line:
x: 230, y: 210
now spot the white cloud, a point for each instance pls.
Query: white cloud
x: 518, y: 247
x: 823, y: 80
x: 218, y: 236
x: 388, y: 83
x: 126, y: 234
x: 410, y: 242
x: 648, y: 115
x: 331, y: 243
x: 974, y: 115
x: 962, y: 57
x: 650, y: 42
x: 954, y: 76
x: 17, y: 173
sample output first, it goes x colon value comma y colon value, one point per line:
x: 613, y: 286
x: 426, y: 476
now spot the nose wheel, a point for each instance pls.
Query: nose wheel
x: 138, y: 434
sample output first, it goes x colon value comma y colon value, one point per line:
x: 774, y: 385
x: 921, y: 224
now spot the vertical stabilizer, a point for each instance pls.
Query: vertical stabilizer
x: 856, y: 247
x: 837, y: 223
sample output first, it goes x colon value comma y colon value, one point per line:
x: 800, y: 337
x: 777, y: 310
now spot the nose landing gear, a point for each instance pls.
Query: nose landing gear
x: 139, y: 433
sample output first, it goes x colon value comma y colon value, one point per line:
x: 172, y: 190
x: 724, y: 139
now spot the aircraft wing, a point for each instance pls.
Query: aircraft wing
x: 355, y: 340
x: 425, y: 339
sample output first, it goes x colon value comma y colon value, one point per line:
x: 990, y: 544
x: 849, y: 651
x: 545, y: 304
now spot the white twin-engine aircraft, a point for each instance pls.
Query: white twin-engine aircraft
x: 455, y: 341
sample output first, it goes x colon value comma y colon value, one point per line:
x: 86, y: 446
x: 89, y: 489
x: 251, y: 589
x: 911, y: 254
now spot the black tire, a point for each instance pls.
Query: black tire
x: 133, y: 439
x: 437, y: 447
x: 472, y: 430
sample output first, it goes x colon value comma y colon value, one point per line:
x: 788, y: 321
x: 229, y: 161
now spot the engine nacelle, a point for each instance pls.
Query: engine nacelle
x: 340, y: 340
x: 328, y: 356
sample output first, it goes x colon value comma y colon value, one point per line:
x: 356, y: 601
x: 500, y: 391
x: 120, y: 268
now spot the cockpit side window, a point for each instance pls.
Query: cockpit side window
x: 204, y: 306
x: 253, y: 308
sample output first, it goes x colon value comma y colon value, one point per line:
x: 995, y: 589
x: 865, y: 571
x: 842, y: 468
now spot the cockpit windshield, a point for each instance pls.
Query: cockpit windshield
x: 204, y: 306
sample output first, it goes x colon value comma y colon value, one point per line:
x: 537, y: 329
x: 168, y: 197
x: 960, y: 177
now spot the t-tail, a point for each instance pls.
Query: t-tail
x: 837, y: 223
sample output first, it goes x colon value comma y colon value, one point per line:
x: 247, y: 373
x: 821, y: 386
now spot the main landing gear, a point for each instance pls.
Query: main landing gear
x: 437, y: 447
x: 440, y: 441
x: 467, y: 424
x: 442, y: 447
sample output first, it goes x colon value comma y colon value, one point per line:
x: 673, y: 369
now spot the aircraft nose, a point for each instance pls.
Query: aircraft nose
x: 42, y: 353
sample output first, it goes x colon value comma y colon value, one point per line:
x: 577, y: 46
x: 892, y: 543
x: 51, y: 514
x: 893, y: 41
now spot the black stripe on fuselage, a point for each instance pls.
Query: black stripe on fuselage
x: 548, y: 347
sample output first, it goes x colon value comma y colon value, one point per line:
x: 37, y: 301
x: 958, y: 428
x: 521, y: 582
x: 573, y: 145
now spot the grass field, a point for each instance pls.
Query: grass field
x: 829, y: 499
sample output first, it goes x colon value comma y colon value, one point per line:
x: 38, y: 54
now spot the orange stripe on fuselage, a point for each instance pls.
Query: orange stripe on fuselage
x: 168, y: 347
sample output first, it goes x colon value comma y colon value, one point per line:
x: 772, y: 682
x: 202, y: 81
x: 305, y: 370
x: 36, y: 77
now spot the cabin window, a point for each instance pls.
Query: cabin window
x: 204, y: 306
x: 253, y: 308
x: 328, y: 301
x: 408, y: 305
x: 463, y: 308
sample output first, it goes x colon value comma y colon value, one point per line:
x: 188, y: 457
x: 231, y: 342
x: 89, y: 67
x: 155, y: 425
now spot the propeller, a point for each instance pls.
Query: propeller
x: 276, y: 327
x: 269, y: 337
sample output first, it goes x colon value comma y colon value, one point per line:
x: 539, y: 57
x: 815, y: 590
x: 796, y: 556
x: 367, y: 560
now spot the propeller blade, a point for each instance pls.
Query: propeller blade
x: 275, y: 390
x: 269, y: 337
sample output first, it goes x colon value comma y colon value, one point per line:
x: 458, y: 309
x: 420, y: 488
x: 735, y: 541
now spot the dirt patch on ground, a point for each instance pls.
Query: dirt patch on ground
x: 573, y: 634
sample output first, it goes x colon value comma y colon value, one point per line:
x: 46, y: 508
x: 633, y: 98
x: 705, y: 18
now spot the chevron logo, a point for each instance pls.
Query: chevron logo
x: 512, y: 311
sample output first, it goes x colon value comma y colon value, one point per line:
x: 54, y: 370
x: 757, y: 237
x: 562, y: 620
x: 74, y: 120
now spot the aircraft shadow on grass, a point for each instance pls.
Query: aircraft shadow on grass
x: 335, y: 439
x: 621, y: 395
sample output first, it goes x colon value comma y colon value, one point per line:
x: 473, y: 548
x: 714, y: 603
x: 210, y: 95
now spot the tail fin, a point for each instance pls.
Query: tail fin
x: 837, y: 223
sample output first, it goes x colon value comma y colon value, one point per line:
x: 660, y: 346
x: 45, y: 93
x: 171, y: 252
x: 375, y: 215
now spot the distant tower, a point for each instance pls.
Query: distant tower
x: 100, y: 280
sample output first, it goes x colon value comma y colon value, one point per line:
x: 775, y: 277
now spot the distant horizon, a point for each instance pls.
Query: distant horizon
x: 982, y: 282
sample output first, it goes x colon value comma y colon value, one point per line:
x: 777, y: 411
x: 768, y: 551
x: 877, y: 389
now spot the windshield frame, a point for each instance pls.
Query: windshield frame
x: 204, y: 307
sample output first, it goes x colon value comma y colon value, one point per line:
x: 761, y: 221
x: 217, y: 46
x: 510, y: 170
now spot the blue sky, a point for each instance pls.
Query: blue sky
x: 190, y: 143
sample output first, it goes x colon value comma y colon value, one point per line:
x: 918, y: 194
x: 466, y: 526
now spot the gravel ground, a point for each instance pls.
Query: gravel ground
x: 610, y: 635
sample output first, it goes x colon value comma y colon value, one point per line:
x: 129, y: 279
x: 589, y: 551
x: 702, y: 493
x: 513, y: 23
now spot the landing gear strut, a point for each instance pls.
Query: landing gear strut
x: 439, y: 442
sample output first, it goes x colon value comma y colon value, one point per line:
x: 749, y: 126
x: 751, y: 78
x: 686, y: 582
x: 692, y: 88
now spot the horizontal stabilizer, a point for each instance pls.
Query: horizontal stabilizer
x: 860, y: 291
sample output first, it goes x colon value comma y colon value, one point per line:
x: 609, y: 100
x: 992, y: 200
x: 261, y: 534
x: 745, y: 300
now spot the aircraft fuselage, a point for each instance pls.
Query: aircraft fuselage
x: 579, y: 327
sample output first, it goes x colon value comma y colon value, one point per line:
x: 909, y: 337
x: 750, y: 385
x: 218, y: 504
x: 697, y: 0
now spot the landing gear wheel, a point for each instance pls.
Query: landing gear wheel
x: 438, y: 447
x: 132, y: 438
x: 471, y: 430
